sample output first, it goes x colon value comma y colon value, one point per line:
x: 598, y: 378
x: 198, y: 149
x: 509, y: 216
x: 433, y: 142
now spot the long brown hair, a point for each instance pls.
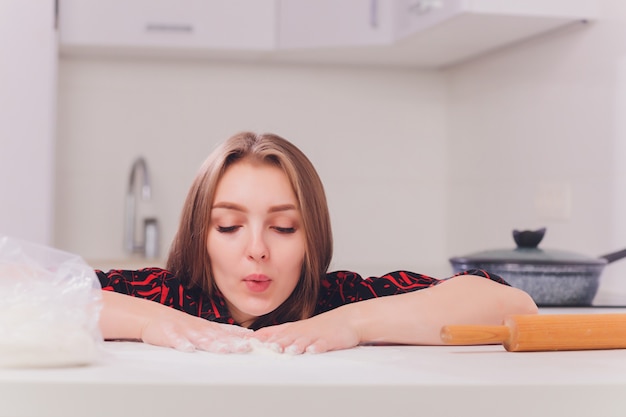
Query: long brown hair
x: 188, y: 257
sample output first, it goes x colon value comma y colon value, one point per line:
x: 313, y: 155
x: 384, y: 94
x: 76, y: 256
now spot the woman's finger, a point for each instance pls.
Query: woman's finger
x: 295, y: 349
x: 183, y: 345
x: 166, y: 334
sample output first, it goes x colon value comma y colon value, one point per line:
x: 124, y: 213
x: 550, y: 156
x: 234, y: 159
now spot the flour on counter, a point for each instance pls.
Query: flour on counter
x: 262, y: 348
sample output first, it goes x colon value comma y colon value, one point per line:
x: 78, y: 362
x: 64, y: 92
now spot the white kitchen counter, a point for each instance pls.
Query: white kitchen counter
x: 143, y: 380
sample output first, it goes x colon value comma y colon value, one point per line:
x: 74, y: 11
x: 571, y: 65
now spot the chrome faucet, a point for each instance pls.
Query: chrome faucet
x: 148, y: 244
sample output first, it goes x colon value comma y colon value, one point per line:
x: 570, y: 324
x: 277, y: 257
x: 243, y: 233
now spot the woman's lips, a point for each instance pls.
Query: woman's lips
x: 257, y: 282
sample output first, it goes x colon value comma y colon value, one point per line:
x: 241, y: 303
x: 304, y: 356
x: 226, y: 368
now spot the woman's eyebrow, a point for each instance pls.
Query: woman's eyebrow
x: 229, y: 206
x: 282, y: 207
x: 237, y: 207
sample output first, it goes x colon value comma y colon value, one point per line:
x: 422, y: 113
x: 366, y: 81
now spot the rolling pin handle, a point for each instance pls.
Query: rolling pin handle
x: 474, y: 335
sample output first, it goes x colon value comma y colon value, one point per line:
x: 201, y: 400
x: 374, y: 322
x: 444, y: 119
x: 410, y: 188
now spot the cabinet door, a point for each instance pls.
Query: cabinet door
x: 192, y: 24
x: 330, y: 23
x: 415, y: 16
x: 444, y: 32
x: 28, y: 62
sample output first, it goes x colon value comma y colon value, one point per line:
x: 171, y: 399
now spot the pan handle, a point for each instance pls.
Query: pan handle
x: 614, y: 256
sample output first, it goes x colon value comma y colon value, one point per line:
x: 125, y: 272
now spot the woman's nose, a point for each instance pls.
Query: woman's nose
x: 257, y: 249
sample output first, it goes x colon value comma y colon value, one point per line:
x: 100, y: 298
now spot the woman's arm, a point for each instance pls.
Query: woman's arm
x: 417, y: 317
x: 127, y: 317
x: 411, y: 318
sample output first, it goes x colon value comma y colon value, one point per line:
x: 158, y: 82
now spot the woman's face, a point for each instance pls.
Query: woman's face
x: 256, y: 240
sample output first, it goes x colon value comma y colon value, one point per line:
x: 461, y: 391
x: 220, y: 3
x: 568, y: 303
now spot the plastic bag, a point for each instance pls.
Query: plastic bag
x: 50, y: 304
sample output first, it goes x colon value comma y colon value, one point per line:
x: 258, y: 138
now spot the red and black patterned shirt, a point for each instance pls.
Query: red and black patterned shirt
x: 336, y: 289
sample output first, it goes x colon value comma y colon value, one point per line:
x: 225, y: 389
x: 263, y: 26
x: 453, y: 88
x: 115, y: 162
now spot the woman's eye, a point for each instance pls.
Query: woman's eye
x: 227, y: 229
x: 285, y: 229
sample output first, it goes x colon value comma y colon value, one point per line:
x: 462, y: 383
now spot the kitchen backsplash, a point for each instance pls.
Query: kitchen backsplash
x: 376, y: 136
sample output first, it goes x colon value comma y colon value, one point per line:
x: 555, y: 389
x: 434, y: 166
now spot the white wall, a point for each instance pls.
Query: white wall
x: 27, y: 120
x: 549, y: 114
x: 419, y: 165
x: 377, y: 138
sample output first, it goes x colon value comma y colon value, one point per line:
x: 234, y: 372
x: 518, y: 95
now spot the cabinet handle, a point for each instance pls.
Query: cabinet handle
x: 374, y: 13
x: 169, y: 27
x: 424, y: 6
x: 56, y: 15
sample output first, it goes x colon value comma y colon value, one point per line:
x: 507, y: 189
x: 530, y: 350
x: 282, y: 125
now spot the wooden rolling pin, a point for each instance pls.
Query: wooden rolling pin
x: 526, y: 333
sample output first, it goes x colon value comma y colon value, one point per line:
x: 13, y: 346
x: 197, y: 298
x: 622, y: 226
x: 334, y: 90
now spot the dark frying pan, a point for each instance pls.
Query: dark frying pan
x: 551, y: 277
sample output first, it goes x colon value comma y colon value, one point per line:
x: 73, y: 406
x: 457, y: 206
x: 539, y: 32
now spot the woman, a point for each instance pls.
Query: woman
x: 252, y: 253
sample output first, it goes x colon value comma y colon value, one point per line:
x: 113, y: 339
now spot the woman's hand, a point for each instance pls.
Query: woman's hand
x: 328, y: 331
x: 188, y: 333
x: 126, y: 317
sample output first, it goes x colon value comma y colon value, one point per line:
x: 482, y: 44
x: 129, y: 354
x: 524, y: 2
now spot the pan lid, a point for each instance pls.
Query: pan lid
x: 528, y: 252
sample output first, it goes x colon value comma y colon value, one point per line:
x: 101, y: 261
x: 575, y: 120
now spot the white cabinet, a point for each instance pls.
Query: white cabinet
x: 332, y: 23
x: 442, y: 32
x: 168, y: 24
x: 28, y: 62
x: 420, y: 33
x: 416, y: 16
